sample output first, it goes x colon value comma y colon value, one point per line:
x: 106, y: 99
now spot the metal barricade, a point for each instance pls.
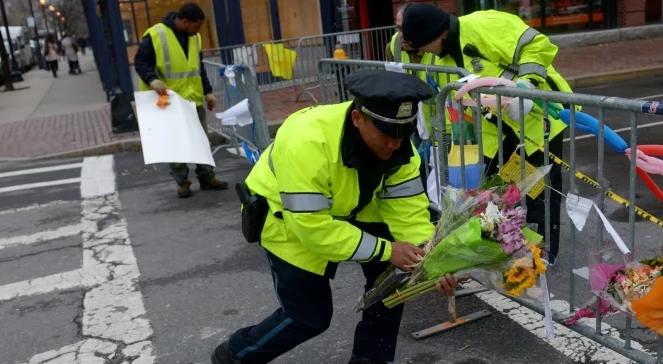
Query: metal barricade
x: 232, y: 84
x: 608, y: 184
x: 293, y: 62
x: 364, y: 44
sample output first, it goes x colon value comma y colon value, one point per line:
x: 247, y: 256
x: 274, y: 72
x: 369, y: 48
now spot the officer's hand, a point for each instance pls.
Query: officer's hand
x: 211, y: 101
x: 405, y: 255
x: 158, y: 86
x: 447, y: 284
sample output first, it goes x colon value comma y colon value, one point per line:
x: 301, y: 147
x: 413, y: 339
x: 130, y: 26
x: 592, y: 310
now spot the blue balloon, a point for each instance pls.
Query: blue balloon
x: 588, y: 124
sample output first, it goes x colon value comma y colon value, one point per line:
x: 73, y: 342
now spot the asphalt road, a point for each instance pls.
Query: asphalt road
x: 143, y: 276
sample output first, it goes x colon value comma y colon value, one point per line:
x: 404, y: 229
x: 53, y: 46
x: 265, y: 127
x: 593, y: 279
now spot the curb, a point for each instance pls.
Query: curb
x: 598, y: 78
x: 128, y: 145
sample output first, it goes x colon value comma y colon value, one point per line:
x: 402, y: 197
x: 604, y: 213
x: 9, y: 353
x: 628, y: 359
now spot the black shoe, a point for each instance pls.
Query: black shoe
x: 358, y: 360
x: 222, y: 355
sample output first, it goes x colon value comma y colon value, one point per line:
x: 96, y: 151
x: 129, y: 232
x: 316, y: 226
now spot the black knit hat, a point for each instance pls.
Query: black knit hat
x: 422, y: 23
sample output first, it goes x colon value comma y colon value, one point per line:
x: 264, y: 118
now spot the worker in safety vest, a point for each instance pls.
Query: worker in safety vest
x: 340, y: 183
x: 170, y: 57
x: 499, y: 44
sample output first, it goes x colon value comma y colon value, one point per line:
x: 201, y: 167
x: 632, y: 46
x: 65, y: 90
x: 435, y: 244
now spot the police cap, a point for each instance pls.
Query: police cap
x: 389, y: 98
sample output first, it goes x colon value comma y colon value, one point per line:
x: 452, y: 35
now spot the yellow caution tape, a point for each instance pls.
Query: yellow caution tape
x: 610, y: 193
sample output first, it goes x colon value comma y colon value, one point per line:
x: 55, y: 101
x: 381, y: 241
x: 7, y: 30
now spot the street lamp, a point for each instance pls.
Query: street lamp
x: 40, y: 59
x: 42, y: 4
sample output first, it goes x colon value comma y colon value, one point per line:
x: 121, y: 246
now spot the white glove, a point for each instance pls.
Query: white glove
x: 158, y: 86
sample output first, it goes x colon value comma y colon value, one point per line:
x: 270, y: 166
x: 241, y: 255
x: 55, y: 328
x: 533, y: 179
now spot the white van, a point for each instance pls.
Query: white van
x: 20, y: 41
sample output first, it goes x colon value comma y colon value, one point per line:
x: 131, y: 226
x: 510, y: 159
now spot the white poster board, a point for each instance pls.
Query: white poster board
x: 171, y: 134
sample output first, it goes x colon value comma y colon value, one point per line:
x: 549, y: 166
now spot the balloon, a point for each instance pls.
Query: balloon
x: 644, y: 161
x: 588, y: 124
x: 654, y: 165
x: 483, y: 82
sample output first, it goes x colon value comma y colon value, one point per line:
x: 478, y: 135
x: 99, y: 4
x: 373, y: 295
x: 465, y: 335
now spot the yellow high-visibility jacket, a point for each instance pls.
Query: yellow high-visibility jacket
x: 515, y: 51
x: 311, y: 194
x: 429, y: 107
x: 180, y: 73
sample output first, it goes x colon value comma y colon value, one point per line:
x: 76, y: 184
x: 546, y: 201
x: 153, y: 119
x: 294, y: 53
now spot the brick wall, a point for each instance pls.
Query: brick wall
x: 631, y: 13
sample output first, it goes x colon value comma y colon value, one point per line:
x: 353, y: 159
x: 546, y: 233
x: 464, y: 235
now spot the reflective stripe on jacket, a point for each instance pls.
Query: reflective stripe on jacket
x: 311, y: 195
x: 180, y: 71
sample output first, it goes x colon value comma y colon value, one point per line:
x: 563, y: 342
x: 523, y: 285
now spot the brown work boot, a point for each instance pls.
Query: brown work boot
x: 213, y: 184
x: 184, y: 189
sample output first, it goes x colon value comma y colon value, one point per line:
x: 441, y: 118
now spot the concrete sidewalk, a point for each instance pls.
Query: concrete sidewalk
x: 69, y: 115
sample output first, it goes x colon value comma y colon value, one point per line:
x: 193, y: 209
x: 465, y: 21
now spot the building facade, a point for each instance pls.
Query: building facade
x: 235, y: 22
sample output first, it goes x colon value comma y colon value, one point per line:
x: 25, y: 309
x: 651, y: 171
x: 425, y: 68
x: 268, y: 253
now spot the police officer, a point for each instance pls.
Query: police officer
x: 169, y: 56
x: 342, y: 184
x: 500, y: 44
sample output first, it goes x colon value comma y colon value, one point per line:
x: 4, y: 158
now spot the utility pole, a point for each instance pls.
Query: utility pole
x: 40, y: 58
x: 42, y: 5
x: 6, y: 71
x: 9, y: 37
x: 345, y: 16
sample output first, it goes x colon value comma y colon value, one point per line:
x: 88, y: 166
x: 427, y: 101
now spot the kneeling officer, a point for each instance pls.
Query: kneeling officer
x: 342, y: 184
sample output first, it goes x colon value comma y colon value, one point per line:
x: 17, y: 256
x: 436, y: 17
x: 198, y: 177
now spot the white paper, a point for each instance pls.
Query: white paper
x: 582, y: 272
x: 611, y: 230
x: 421, y: 122
x: 173, y: 134
x: 545, y: 297
x: 394, y: 67
x: 469, y: 78
x: 238, y: 114
x: 578, y: 209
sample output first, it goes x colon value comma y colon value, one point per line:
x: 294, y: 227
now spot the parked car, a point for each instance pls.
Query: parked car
x: 23, y: 53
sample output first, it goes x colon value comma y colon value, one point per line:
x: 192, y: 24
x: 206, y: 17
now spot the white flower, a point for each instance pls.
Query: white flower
x: 490, y: 218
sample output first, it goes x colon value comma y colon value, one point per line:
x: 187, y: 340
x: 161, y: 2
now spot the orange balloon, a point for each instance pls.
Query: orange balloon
x: 649, y: 309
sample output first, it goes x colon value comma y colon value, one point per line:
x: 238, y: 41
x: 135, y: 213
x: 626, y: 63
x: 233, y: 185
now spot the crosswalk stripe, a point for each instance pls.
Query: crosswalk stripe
x: 61, y: 232
x: 36, y: 206
x: 22, y: 172
x: 29, y: 186
x: 78, y: 278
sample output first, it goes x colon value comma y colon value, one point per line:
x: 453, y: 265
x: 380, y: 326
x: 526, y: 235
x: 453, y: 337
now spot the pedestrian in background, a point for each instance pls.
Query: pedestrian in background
x: 340, y: 183
x: 493, y: 43
x: 170, y: 57
x: 70, y: 50
x: 82, y: 43
x: 51, y: 54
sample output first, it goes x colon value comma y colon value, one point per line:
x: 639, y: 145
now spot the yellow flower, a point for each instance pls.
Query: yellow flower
x: 523, y: 272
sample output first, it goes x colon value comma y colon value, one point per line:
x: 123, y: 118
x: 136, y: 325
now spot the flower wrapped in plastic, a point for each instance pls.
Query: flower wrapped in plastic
x: 479, y: 231
x: 629, y: 287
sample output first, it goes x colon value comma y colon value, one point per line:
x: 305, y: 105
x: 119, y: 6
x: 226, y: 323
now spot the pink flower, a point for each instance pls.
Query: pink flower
x: 511, y: 196
x: 605, y: 308
x: 484, y: 196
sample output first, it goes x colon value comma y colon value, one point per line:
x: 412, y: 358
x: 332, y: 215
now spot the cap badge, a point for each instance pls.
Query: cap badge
x: 405, y: 110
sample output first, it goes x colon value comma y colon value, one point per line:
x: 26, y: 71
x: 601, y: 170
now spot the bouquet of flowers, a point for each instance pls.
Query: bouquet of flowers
x: 633, y: 287
x: 482, y: 229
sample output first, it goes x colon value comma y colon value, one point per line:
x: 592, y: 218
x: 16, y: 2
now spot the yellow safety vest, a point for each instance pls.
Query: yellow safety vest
x: 515, y: 51
x: 180, y: 73
x: 311, y: 195
x: 429, y: 107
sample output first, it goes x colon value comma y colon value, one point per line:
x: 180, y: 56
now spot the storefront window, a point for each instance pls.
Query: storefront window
x: 553, y: 16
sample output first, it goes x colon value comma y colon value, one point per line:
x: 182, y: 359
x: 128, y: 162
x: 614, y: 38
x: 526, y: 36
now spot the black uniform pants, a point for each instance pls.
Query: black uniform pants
x: 536, y: 207
x: 306, y: 311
